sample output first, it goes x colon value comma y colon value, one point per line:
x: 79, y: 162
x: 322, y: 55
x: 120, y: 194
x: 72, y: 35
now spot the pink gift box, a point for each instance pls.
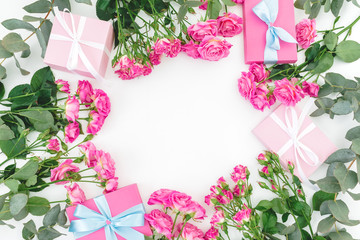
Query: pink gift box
x: 118, y: 201
x: 255, y: 32
x: 95, y: 32
x: 310, y: 137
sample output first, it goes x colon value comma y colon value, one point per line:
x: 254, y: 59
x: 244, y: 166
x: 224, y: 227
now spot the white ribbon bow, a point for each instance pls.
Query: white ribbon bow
x: 74, y: 36
x: 292, y: 128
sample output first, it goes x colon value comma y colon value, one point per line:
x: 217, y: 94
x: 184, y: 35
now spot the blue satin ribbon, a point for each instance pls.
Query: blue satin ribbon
x: 267, y: 11
x: 122, y: 224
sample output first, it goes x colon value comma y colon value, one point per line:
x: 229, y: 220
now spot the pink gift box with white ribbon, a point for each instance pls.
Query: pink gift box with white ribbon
x: 80, y: 45
x: 289, y: 132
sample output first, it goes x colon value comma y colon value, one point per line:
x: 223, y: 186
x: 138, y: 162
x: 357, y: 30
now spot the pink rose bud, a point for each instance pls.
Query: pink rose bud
x: 63, y: 171
x: 161, y: 222
x: 263, y: 185
x: 262, y: 157
x: 85, y: 91
x: 96, y: 122
x: 111, y: 185
x: 53, y: 145
x: 72, y: 107
x: 311, y: 89
x: 274, y: 187
x: 238, y: 1
x: 300, y: 193
x: 209, y: 198
x: 75, y: 194
x: 217, y: 219
x: 306, y: 32
x: 89, y: 150
x: 240, y: 173
x: 200, y: 30
x: 291, y: 165
x: 72, y: 131
x: 287, y: 93
x: 243, y: 215
x: 213, y: 48
x: 101, y: 102
x: 229, y: 25
x: 63, y: 86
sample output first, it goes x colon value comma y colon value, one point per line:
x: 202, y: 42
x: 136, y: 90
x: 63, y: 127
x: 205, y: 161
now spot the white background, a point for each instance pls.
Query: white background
x: 183, y: 126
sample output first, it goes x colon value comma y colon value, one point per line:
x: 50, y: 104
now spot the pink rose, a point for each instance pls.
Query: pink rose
x: 75, y: 194
x: 213, y: 48
x: 161, y: 197
x: 161, y: 222
x: 204, y: 5
x: 311, y: 89
x: 125, y: 73
x: 89, y: 150
x: 243, y: 215
x: 191, y: 49
x: 239, y: 173
x: 265, y: 170
x: 247, y: 85
x: 105, y: 166
x: 63, y: 86
x: 85, y: 91
x: 111, y: 185
x: 200, y: 30
x: 229, y: 25
x: 146, y: 69
x: 259, y: 102
x: 218, y: 218
x: 62, y: 171
x: 155, y: 58
x: 72, y: 107
x: 72, y: 131
x: 189, y: 232
x: 137, y: 70
x: 226, y: 198
x: 53, y: 145
x: 125, y: 62
x: 212, y: 234
x: 101, y: 102
x: 195, y: 210
x: 287, y: 93
x: 180, y: 201
x: 208, y: 199
x: 161, y: 46
x: 174, y: 48
x: 96, y: 122
x: 259, y: 72
x: 306, y: 32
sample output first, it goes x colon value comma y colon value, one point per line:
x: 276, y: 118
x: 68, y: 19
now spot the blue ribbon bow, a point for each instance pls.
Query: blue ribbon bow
x: 122, y: 224
x: 267, y: 11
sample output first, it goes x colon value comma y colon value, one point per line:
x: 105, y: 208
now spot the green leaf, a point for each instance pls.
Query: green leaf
x: 355, y: 2
x: 347, y: 178
x: 324, y: 207
x: 62, y: 219
x: 215, y: 9
x: 358, y: 168
x: 315, y: 9
x: 40, y: 77
x: 30, y: 225
x: 331, y: 40
x: 348, y: 51
x: 13, y: 24
x: 299, y: 4
x: 2, y: 200
x: 325, y: 90
x: 307, y: 8
x: 336, y: 6
x: 31, y: 181
x: 46, y: 30
x: 3, y: 52
x: 28, y: 18
x: 14, y: 43
x: 51, y: 216
x: 27, y: 171
x: 226, y: 2
x: 26, y: 234
x: 278, y: 206
x: 325, y: 63
x: 317, y: 112
x: 326, y: 224
x: 8, y: 225
x: 38, y: 206
x: 263, y: 205
x: 2, y: 76
x: 329, y: 185
x: 41, y: 119
x: 327, y: 6
x: 21, y: 215
x: 319, y: 197
x: 182, y: 12
x: 17, y: 203
x: 342, y: 155
x: 356, y: 145
x: 6, y: 133
x: 62, y: 4
x: 41, y: 41
x: 198, y: 3
x: 22, y: 71
x: 84, y: 1
x: 341, y: 108
x: 13, y: 185
x: 336, y: 81
x: 341, y: 212
x: 301, y: 209
x: 355, y: 196
x: 5, y: 212
x: 340, y: 235
x: 48, y: 233
x: 41, y: 6
x: 269, y: 220
x: 25, y: 53
x: 288, y: 230
x: 14, y: 148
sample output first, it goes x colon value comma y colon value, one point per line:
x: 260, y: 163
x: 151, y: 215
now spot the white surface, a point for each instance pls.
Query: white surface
x: 183, y: 126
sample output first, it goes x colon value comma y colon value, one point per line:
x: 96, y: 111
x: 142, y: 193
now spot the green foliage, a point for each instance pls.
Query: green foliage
x: 13, y: 43
x: 319, y: 197
x: 38, y: 206
x: 313, y: 7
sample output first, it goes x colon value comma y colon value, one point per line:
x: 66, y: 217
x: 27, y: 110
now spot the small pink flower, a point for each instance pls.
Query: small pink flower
x: 125, y: 73
x: 221, y: 181
x: 174, y: 48
x: 287, y: 93
x: 190, y: 232
x: 214, y: 189
x: 195, y: 210
x: 137, y: 70
x: 213, y: 48
x: 238, y: 192
x: 105, y: 167
x: 162, y: 46
x: 125, y: 62
x: 89, y: 150
x: 180, y: 201
x: 204, y: 5
x: 262, y: 157
x: 306, y: 32
x: 75, y: 194
x: 96, y: 122
x: 63, y: 86
x: 161, y: 222
x: 62, y: 171
x: 85, y: 91
x: 259, y: 72
x: 311, y: 89
x: 111, y: 185
x: 239, y: 173
x: 146, y: 69
x: 259, y: 101
x: 72, y: 131
x: 208, y: 199
x: 155, y: 58
x: 243, y: 215
x: 217, y: 219
x: 212, y: 234
x: 53, y: 144
x: 274, y: 187
x: 226, y: 198
x: 191, y: 49
x: 101, y: 102
x: 300, y: 193
x: 265, y: 170
x: 161, y: 197
x: 200, y: 30
x: 247, y: 85
x: 72, y: 107
x: 229, y: 25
